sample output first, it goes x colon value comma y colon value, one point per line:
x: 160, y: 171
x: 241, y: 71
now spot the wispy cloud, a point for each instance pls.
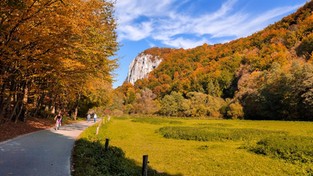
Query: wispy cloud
x: 162, y: 21
x: 136, y: 32
x: 184, y: 43
x: 128, y: 11
x: 262, y: 20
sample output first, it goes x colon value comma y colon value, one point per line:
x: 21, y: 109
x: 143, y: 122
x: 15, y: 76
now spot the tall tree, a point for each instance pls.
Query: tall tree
x: 51, y: 49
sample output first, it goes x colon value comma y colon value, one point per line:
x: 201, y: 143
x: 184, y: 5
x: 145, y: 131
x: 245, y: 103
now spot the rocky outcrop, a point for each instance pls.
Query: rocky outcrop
x: 141, y: 66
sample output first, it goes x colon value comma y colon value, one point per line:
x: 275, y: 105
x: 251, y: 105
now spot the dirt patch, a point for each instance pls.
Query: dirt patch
x: 10, y: 130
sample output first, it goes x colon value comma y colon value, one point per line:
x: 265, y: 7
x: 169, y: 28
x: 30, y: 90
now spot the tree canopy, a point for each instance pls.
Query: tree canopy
x: 54, y: 53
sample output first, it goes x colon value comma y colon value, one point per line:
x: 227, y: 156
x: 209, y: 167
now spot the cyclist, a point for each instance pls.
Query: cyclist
x: 58, y: 119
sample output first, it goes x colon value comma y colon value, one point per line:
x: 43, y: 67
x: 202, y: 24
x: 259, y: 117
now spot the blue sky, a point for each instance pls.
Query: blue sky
x: 143, y: 24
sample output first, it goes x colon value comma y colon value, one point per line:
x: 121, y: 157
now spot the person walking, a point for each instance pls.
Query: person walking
x: 94, y: 117
x: 88, y: 117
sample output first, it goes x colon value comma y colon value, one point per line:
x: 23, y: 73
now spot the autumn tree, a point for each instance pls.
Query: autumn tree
x: 51, y: 49
x: 146, y: 102
x: 282, y: 93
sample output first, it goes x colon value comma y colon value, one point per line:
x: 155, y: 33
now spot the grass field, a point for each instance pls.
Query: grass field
x: 198, y: 147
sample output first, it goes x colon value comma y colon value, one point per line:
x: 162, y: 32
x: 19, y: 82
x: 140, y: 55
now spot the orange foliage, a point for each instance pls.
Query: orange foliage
x: 193, y: 69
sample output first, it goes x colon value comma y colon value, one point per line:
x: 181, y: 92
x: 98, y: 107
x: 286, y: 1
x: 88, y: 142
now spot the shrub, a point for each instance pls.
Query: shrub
x: 290, y: 148
x: 234, y: 111
x: 117, y: 112
x: 214, y: 134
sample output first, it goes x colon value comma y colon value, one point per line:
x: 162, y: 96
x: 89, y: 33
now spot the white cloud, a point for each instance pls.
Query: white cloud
x: 184, y: 43
x: 162, y: 21
x: 151, y: 44
x: 129, y: 10
x: 225, y: 8
x: 136, y: 32
x: 262, y: 20
x: 220, y: 27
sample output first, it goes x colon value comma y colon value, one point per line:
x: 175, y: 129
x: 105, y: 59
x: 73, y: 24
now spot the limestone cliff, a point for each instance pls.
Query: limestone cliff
x: 141, y: 66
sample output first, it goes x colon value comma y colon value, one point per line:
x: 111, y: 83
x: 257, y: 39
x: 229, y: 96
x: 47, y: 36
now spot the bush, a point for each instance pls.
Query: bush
x: 215, y: 134
x: 290, y: 148
x: 117, y: 112
x: 196, y: 104
x: 234, y: 111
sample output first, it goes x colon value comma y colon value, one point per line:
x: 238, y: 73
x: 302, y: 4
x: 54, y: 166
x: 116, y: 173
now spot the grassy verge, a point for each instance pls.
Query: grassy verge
x: 92, y: 159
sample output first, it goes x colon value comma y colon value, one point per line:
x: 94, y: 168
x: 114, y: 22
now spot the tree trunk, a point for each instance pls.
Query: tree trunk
x: 14, y: 111
x: 2, y: 95
x: 75, y: 113
x: 24, y: 103
x: 7, y: 102
x: 19, y: 113
x: 39, y: 104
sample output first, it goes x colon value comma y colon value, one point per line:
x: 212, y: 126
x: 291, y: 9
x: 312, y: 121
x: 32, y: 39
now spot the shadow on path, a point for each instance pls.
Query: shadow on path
x: 90, y: 158
x: 46, y: 152
x: 40, y: 153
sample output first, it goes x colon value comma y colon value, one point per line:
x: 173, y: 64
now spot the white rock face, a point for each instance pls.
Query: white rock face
x: 141, y: 66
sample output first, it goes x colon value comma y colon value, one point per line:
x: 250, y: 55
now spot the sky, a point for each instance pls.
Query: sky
x: 142, y: 24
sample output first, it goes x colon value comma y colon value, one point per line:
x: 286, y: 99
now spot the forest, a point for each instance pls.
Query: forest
x: 268, y: 76
x: 55, y: 56
x: 58, y: 56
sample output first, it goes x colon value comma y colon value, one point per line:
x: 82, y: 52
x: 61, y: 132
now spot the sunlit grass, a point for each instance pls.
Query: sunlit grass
x: 215, y: 156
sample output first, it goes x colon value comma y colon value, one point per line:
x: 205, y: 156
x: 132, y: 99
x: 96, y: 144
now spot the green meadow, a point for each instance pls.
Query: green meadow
x: 196, y: 147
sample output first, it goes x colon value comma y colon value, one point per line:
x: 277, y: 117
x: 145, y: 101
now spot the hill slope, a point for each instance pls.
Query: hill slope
x: 267, y: 75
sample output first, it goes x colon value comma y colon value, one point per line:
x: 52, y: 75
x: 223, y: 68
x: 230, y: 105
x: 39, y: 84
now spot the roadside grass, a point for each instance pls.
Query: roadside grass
x: 90, y: 158
x: 231, y: 147
x: 96, y: 161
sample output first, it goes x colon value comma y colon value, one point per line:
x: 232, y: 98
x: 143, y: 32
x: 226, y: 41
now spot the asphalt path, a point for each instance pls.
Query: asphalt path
x: 42, y: 153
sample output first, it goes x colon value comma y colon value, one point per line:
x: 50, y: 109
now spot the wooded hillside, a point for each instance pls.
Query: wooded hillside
x: 268, y: 75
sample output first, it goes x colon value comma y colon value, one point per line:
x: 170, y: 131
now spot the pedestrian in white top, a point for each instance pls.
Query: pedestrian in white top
x: 94, y: 117
x: 88, y: 117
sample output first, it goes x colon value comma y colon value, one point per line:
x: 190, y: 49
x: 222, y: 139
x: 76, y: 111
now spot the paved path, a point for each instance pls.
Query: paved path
x: 42, y: 153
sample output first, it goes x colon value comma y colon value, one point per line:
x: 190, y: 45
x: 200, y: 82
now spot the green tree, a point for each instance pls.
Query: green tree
x: 213, y: 88
x: 171, y: 105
